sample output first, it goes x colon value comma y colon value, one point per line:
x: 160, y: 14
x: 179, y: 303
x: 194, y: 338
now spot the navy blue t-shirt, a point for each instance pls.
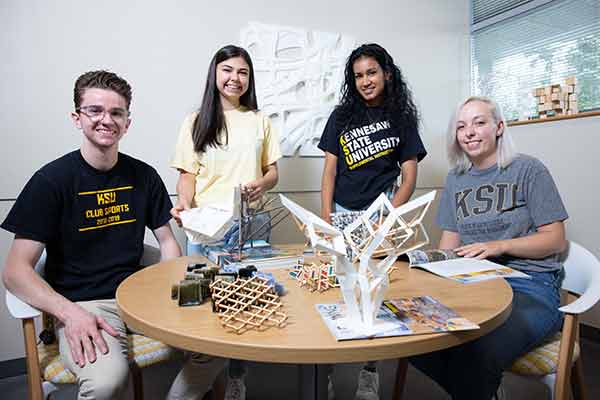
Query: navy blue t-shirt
x: 92, y: 222
x: 369, y: 153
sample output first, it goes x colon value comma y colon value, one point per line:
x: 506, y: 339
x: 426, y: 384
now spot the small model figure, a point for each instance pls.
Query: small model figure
x: 319, y: 277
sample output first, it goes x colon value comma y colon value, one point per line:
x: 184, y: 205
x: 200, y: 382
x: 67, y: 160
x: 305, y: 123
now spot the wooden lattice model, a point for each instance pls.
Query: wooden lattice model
x: 319, y: 277
x: 246, y: 304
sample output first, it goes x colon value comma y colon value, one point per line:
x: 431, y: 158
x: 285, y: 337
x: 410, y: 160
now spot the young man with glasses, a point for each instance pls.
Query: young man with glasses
x: 89, y: 210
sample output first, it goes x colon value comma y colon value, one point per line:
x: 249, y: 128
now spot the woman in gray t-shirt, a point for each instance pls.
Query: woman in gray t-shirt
x: 503, y: 206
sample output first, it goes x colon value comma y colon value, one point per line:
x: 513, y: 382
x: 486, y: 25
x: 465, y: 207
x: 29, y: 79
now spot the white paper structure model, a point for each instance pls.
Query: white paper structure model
x: 406, y: 230
x: 205, y: 225
x: 380, y: 230
x: 320, y: 234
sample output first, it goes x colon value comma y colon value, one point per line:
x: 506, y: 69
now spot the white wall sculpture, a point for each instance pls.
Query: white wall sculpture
x: 299, y: 74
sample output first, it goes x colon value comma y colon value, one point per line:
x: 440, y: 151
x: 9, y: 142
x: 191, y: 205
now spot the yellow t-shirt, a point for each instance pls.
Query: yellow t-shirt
x: 252, y: 145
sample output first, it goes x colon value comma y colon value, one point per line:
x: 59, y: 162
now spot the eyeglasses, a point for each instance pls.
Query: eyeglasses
x: 96, y: 113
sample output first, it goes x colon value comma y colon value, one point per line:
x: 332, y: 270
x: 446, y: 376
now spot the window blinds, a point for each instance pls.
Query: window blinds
x: 538, y: 47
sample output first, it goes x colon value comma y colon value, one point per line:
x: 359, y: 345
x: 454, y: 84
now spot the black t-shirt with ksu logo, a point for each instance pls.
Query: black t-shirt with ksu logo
x: 92, y: 222
x: 369, y: 153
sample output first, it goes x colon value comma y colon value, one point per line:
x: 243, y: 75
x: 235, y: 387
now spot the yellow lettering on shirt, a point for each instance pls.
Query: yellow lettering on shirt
x: 106, y: 198
x: 110, y: 214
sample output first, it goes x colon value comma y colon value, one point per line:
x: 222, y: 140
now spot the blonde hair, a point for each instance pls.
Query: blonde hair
x: 505, y: 147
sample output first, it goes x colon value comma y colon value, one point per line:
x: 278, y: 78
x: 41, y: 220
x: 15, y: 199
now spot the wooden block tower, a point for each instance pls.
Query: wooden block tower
x: 557, y: 99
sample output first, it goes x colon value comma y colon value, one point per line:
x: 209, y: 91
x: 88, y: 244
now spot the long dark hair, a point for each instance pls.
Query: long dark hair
x: 211, y: 119
x: 398, y: 104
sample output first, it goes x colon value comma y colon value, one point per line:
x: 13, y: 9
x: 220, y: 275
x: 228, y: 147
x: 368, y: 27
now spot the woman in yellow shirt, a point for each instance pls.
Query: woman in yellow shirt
x: 225, y: 144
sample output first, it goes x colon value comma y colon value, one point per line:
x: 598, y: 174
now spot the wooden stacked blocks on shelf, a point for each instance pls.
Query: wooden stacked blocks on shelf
x: 557, y: 99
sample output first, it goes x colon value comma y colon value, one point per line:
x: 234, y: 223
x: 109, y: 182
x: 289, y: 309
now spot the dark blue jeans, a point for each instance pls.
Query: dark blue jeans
x: 474, y: 370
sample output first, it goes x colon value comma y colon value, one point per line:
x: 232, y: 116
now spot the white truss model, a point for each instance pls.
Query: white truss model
x: 381, y: 230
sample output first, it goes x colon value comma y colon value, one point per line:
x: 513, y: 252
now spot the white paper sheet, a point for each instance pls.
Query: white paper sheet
x: 206, y: 225
x: 469, y: 270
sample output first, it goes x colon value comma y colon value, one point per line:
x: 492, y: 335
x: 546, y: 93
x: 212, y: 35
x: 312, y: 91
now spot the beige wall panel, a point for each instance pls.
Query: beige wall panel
x: 569, y: 148
x: 432, y: 229
x: 300, y: 174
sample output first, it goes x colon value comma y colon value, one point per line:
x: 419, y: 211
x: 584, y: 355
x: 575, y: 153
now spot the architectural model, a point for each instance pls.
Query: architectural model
x: 246, y: 304
x: 316, y: 277
x: 246, y: 216
x: 381, y: 230
x: 209, y: 225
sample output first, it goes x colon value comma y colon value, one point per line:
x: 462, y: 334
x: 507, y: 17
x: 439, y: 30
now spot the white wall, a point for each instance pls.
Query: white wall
x: 163, y: 50
x: 569, y: 149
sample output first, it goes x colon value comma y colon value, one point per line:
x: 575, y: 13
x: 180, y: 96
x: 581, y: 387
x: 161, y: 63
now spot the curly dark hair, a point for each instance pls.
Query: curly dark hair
x: 398, y: 104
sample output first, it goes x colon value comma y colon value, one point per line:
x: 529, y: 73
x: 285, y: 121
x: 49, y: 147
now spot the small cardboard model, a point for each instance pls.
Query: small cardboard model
x: 381, y: 230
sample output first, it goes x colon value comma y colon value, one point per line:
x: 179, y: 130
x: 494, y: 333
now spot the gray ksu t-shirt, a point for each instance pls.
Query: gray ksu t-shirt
x: 496, y: 204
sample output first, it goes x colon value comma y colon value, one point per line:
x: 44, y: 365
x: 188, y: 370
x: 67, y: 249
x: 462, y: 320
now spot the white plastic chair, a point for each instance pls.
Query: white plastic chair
x: 557, y: 363
x: 39, y: 389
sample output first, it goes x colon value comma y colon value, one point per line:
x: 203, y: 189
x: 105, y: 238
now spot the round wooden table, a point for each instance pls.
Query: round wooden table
x: 146, y: 307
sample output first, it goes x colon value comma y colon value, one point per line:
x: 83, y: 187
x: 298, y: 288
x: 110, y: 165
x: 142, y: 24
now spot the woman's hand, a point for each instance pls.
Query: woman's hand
x: 177, y: 209
x: 483, y: 250
x: 186, y: 188
x: 549, y: 239
x: 254, y: 190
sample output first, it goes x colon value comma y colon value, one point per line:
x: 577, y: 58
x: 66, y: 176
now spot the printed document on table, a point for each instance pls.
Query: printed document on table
x: 396, y: 317
x: 447, y: 264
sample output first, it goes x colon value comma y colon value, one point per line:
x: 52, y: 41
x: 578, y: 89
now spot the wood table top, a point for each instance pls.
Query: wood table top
x: 146, y: 307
